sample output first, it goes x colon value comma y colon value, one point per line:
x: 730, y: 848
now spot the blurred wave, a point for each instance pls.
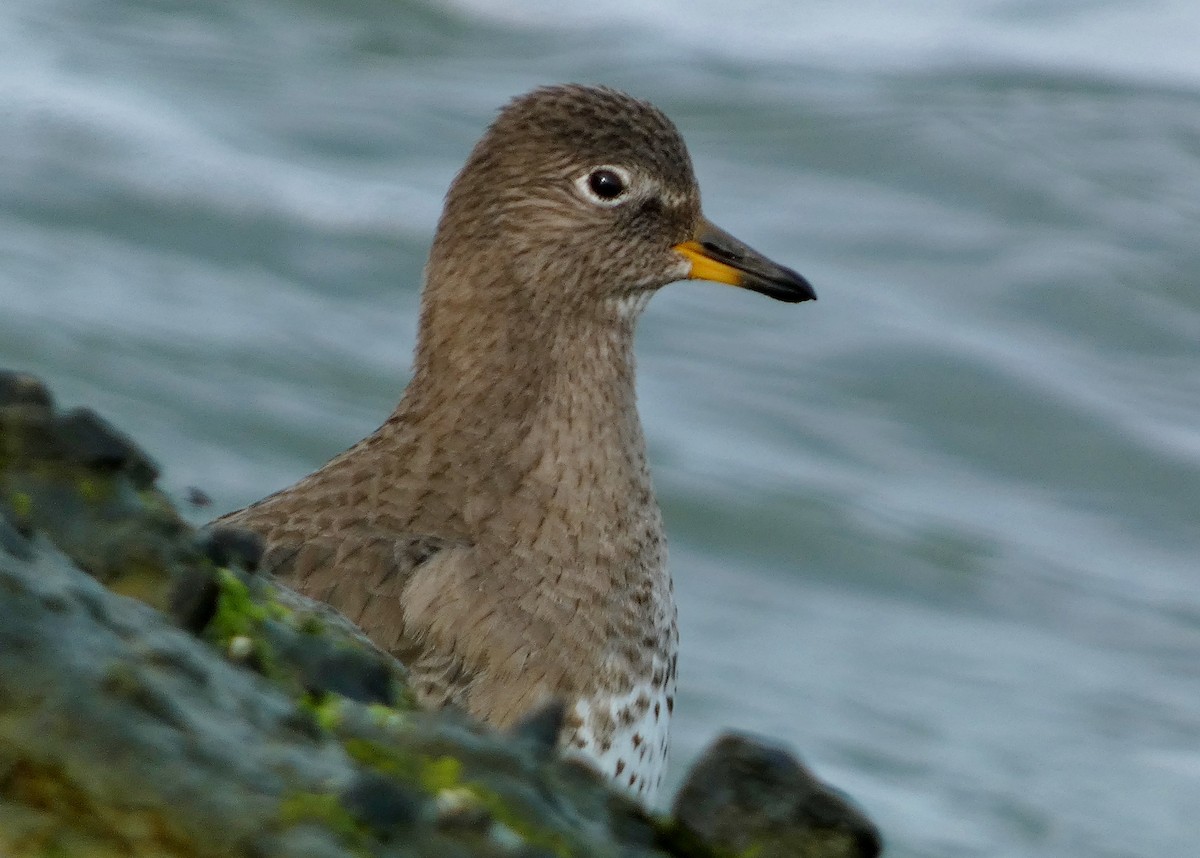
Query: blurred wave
x: 938, y: 530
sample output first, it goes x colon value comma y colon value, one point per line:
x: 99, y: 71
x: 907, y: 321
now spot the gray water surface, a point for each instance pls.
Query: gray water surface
x: 938, y: 531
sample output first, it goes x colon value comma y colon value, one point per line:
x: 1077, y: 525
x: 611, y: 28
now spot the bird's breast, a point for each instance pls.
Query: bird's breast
x: 625, y: 734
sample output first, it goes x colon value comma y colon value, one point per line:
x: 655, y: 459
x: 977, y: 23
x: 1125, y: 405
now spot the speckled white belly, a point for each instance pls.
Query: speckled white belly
x: 626, y: 737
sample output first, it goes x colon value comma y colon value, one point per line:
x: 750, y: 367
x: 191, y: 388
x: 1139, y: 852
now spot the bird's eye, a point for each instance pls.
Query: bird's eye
x: 605, y: 186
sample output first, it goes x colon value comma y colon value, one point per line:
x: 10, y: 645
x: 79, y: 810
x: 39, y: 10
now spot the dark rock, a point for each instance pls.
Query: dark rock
x: 381, y: 804
x: 748, y: 796
x: 88, y: 439
x: 22, y: 389
x: 107, y: 751
x: 364, y: 677
x: 541, y: 728
x: 193, y: 599
x: 232, y: 546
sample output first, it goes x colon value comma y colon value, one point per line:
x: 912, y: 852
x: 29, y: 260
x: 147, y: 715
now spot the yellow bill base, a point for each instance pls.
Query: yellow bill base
x: 705, y: 267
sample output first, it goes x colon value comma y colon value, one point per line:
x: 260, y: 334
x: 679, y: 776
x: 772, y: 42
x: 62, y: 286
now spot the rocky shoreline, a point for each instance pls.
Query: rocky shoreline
x: 159, y: 697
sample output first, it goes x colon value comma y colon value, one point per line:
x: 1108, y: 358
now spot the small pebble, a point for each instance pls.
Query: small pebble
x: 240, y: 648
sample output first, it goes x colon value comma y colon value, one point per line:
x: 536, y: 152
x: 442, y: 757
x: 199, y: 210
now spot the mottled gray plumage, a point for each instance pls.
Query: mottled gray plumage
x: 499, y: 532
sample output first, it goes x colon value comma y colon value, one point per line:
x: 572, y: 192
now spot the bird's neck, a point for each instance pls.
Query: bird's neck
x: 528, y: 439
x: 527, y: 425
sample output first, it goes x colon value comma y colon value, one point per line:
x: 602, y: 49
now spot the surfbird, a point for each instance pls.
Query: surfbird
x: 499, y: 532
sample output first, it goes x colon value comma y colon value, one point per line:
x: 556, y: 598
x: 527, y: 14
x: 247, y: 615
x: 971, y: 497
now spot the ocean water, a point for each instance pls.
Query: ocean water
x: 939, y: 531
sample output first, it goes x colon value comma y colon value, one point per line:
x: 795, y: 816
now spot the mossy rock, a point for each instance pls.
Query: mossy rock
x: 158, y: 696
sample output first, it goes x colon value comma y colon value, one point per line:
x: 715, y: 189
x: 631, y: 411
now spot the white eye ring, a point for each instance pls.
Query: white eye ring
x: 606, y: 185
